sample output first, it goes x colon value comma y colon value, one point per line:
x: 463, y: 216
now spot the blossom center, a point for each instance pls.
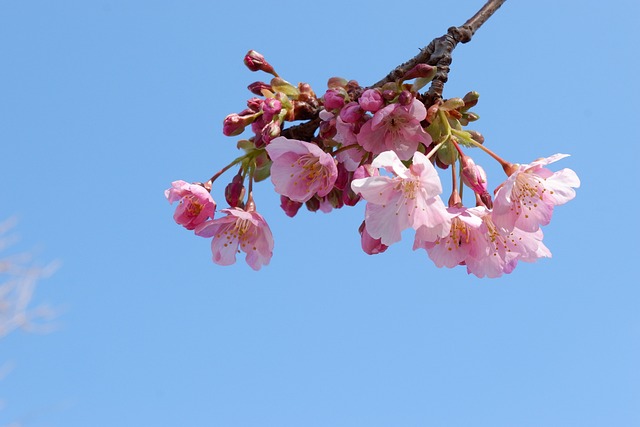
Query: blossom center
x: 458, y: 236
x: 194, y: 207
x: 527, y: 192
x: 311, y: 170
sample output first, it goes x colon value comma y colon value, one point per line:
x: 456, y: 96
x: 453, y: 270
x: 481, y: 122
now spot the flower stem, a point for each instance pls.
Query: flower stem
x: 497, y: 158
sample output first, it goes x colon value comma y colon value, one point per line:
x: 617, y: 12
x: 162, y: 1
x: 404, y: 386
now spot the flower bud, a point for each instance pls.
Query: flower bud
x: 371, y: 100
x: 270, y: 130
x: 234, y: 191
x: 334, y: 99
x: 270, y: 108
x: 422, y: 71
x: 370, y: 245
x: 289, y: 206
x: 351, y: 113
x: 470, y: 99
x: 234, y: 124
x: 405, y: 98
x: 257, y: 87
x: 473, y: 175
x: 256, y: 62
x: 476, y: 136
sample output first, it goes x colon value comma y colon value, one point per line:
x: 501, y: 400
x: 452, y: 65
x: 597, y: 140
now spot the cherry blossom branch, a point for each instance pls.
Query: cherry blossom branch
x: 438, y: 53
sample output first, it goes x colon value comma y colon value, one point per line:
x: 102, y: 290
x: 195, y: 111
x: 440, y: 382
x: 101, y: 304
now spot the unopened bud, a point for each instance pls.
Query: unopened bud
x: 351, y: 113
x: 256, y: 62
x: 234, y: 124
x: 476, y: 136
x: 257, y: 87
x: 473, y: 175
x: 405, y: 98
x: 370, y: 245
x: 371, y: 100
x: 270, y: 131
x: 422, y: 71
x: 234, y: 191
x: 470, y: 99
x: 270, y: 108
x: 334, y: 98
x: 289, y: 206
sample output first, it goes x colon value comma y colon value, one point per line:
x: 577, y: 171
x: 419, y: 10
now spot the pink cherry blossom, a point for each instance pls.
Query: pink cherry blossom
x: 195, y: 204
x: 395, y: 127
x: 526, y: 200
x: 301, y: 169
x: 504, y: 248
x: 410, y: 198
x: 465, y: 239
x: 240, y: 230
x: 484, y: 248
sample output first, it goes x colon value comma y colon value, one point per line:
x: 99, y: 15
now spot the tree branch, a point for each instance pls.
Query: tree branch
x: 438, y: 53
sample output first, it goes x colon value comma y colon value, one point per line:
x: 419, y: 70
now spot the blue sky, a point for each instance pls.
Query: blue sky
x: 104, y: 103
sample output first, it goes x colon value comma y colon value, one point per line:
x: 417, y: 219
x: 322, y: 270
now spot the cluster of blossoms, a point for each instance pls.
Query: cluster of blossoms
x: 384, y: 146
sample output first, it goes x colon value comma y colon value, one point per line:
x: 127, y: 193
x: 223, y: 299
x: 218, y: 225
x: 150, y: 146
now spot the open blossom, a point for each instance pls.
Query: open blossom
x: 408, y: 199
x: 395, y: 127
x: 300, y: 169
x: 240, y: 230
x: 484, y: 248
x: 527, y: 198
x: 195, y: 203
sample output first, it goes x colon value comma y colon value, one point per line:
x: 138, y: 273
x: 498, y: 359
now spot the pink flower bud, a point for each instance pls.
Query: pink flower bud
x: 234, y: 191
x: 256, y: 62
x: 234, y: 124
x: 371, y: 100
x: 270, y: 108
x: 405, y: 98
x: 257, y: 87
x: 289, y: 207
x: 351, y: 113
x: 370, y: 245
x: 270, y: 131
x: 473, y: 175
x: 420, y: 71
x: 255, y: 104
x: 334, y: 99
